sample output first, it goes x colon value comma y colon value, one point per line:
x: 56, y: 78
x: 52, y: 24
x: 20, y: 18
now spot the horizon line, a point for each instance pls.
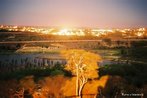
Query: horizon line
x: 89, y: 27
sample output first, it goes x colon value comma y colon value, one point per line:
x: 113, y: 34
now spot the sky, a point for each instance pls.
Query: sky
x: 74, y: 13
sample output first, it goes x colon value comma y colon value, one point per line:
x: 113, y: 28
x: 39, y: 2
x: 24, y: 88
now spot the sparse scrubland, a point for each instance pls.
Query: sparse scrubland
x: 60, y: 86
x: 112, y: 81
x: 58, y: 83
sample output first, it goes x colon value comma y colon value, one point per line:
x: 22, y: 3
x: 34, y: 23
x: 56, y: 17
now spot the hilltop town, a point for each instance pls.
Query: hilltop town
x: 134, y: 33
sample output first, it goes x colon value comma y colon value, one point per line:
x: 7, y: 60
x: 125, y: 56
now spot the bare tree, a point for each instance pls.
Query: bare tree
x: 83, y: 65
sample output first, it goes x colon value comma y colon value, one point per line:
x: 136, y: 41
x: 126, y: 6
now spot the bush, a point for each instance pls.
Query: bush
x: 37, y: 73
x: 134, y: 73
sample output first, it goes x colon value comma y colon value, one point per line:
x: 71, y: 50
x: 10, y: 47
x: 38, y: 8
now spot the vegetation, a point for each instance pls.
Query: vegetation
x: 139, y: 49
x: 82, y: 64
x: 134, y: 73
x: 36, y: 72
x: 113, y: 80
x: 81, y: 67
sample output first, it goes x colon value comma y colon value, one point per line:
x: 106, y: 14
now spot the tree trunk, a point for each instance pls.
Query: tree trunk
x: 80, y: 90
x: 77, y: 82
